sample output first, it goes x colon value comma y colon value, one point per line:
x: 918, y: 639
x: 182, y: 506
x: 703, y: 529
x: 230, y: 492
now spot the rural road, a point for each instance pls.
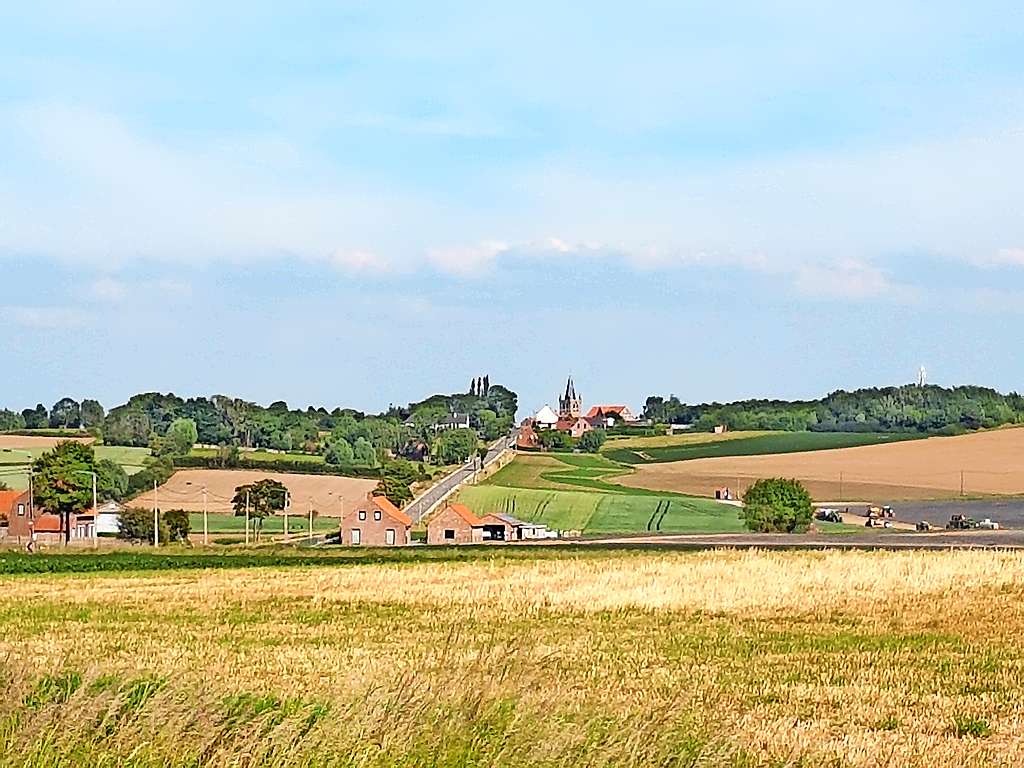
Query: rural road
x: 417, y: 509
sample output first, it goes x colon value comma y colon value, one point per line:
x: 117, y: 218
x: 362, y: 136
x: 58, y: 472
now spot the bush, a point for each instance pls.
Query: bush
x: 292, y: 467
x: 591, y: 442
x: 179, y: 525
x: 777, y: 505
x: 136, y: 524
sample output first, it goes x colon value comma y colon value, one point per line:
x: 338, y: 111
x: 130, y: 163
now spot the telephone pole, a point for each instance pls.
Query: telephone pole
x: 156, y: 518
x: 247, y: 518
x: 206, y: 521
x: 310, y: 518
x: 95, y: 516
x: 287, y: 502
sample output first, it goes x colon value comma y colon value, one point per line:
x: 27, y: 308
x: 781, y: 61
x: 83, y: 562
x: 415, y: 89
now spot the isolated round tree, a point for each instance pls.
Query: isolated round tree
x: 777, y: 505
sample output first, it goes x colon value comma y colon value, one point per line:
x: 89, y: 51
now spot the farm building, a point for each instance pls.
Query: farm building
x: 545, y: 418
x: 109, y: 518
x: 13, y: 508
x: 24, y: 524
x: 576, y: 427
x: 376, y: 522
x: 499, y: 526
x: 455, y: 524
x: 610, y: 415
x: 527, y: 439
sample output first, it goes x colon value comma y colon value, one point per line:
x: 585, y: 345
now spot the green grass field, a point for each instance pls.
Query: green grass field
x: 662, y: 449
x: 271, y: 525
x: 13, y: 461
x: 574, y: 492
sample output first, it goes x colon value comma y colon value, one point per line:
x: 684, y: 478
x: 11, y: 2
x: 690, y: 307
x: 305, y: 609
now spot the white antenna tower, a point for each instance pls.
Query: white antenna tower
x: 922, y: 377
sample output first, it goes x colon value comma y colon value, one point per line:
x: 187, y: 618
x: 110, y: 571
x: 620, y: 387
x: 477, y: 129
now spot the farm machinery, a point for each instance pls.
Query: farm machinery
x: 827, y: 515
x: 879, y: 517
x: 965, y: 523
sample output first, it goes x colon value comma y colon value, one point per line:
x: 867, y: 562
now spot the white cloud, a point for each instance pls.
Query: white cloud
x: 467, y: 259
x: 1004, y: 257
x: 359, y: 261
x: 108, y: 289
x: 123, y: 196
x: 42, y: 318
x: 848, y: 280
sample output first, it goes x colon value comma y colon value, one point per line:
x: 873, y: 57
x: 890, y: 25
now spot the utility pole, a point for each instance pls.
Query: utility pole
x: 95, y: 515
x: 841, y: 486
x: 206, y: 521
x: 961, y: 482
x: 247, y: 518
x: 310, y: 518
x: 156, y: 518
x: 287, y: 502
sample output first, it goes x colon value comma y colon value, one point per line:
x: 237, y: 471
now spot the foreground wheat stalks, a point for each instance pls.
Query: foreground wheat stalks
x: 718, y: 658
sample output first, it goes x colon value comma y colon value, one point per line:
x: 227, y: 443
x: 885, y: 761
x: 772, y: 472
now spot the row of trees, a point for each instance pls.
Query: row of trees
x: 929, y: 409
x: 557, y: 440
x: 170, y: 425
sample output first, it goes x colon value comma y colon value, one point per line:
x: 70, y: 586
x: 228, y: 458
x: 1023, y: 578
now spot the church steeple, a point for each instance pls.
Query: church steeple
x: 570, y: 405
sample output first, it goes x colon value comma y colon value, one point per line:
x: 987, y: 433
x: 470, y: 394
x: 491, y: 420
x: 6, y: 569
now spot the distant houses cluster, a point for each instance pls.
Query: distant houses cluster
x: 571, y: 419
x: 26, y: 522
x: 376, y: 522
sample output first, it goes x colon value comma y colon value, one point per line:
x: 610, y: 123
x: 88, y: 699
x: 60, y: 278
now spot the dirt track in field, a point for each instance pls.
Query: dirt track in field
x: 27, y: 443
x: 328, y: 494
x: 990, y: 463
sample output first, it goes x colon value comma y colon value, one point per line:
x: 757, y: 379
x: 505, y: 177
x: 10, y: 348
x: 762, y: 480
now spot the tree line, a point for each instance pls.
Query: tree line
x: 930, y: 409
x: 166, y: 423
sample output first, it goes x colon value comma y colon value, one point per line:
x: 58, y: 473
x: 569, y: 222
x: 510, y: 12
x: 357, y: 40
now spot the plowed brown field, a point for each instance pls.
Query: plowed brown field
x: 988, y: 462
x: 28, y: 442
x: 328, y: 494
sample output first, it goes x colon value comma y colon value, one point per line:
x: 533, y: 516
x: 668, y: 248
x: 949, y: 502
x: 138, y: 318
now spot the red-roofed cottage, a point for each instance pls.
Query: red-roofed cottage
x: 376, y: 522
x: 611, y: 414
x: 455, y: 524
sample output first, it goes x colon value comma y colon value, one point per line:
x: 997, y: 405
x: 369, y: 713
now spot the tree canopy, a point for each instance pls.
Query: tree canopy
x: 910, y: 408
x: 777, y: 505
x: 62, y: 480
x: 454, y: 446
x: 265, y: 497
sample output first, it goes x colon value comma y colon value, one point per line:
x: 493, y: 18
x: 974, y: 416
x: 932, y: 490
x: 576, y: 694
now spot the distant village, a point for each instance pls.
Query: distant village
x: 375, y: 520
x: 571, y: 420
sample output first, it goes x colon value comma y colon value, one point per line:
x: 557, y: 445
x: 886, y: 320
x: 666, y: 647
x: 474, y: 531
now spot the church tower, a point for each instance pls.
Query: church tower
x: 570, y: 405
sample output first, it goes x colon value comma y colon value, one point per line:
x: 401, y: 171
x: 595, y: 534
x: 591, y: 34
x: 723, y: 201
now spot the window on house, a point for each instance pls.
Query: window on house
x: 389, y: 536
x: 449, y: 534
x: 357, y: 536
x: 376, y: 515
x: 21, y: 510
x: 362, y: 514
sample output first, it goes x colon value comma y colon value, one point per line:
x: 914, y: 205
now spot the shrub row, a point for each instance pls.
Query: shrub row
x: 293, y: 467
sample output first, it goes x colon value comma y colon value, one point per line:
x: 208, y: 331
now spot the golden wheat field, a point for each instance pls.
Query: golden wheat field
x: 711, y: 659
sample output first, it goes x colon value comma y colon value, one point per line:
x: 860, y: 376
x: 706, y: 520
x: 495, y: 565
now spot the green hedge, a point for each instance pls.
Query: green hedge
x: 48, y: 433
x: 293, y: 467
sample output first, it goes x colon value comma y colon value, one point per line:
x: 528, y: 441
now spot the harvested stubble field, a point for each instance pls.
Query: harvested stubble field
x: 713, y: 659
x: 992, y: 463
x: 328, y: 494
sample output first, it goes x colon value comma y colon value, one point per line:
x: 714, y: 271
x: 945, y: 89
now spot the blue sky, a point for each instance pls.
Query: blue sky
x: 364, y: 203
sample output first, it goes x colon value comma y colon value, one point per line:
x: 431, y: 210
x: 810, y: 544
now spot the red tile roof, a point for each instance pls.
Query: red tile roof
x: 384, y: 505
x: 47, y: 523
x: 597, y: 410
x: 8, y: 499
x: 466, y: 514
